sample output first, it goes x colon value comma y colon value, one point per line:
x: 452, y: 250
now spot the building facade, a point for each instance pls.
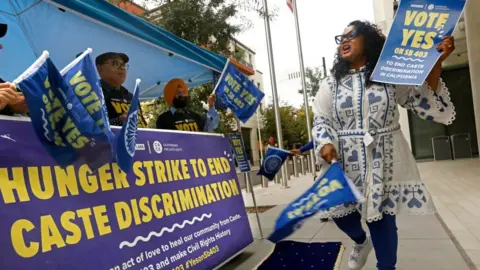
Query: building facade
x: 129, y: 6
x: 244, y: 60
x: 458, y: 74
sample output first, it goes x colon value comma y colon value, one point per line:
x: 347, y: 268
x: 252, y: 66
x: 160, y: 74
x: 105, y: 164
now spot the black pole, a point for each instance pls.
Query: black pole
x: 324, y: 67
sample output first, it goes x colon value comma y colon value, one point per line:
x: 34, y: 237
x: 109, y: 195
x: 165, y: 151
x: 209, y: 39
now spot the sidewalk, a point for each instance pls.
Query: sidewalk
x: 455, y: 189
x: 423, y: 242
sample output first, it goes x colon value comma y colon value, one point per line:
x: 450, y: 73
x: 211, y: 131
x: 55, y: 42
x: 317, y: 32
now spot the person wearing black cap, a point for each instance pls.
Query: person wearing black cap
x: 112, y: 68
x: 11, y: 101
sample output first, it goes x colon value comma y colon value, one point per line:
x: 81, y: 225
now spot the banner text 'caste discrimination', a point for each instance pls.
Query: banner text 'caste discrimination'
x: 39, y: 183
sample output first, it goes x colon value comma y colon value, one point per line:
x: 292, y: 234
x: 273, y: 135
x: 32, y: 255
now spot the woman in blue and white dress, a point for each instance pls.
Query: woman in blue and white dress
x: 356, y: 121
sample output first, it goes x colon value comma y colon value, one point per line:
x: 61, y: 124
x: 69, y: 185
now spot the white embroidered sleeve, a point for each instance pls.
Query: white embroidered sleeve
x: 426, y: 103
x: 323, y: 131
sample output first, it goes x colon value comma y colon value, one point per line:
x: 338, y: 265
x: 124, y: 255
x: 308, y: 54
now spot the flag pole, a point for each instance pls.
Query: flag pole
x: 248, y: 184
x: 273, y: 81
x: 260, y: 144
x: 304, y: 84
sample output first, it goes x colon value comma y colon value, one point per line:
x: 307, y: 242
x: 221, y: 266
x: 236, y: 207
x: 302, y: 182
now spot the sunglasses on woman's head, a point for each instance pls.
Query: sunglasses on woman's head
x: 351, y: 35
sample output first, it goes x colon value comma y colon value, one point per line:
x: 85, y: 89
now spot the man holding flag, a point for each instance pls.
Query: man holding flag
x: 112, y: 68
x: 178, y: 117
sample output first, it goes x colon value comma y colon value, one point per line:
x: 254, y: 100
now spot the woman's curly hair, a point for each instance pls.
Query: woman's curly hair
x: 374, y: 41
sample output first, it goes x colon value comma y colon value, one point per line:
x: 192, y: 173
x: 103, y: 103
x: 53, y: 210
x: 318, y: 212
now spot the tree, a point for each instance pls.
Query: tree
x: 313, y: 78
x: 302, y: 123
x: 294, y: 130
x: 210, y: 24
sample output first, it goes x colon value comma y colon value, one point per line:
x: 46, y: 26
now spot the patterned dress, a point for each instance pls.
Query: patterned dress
x: 363, y: 124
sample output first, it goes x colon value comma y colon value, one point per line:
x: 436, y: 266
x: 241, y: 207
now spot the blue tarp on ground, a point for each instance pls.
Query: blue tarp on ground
x: 68, y: 27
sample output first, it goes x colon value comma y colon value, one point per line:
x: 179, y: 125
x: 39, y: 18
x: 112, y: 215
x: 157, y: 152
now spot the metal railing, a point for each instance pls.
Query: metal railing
x: 296, y: 167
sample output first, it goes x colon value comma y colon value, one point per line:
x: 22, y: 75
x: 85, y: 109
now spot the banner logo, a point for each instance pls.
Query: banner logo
x: 131, y: 133
x: 157, y: 147
x: 273, y: 163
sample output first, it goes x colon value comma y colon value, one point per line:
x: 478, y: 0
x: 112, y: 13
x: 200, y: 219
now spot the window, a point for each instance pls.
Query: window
x: 250, y: 60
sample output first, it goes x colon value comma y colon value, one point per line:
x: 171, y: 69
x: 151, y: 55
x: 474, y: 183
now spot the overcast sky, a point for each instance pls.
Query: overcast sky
x: 320, y: 21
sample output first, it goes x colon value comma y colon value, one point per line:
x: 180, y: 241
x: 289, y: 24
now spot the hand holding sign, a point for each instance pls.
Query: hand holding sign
x: 420, y: 30
x: 447, y: 46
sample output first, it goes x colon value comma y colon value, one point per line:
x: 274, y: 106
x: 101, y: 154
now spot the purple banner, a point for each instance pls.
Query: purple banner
x: 179, y: 208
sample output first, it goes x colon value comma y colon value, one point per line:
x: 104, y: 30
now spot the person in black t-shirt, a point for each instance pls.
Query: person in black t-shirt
x: 112, y: 68
x: 11, y: 101
x: 178, y: 117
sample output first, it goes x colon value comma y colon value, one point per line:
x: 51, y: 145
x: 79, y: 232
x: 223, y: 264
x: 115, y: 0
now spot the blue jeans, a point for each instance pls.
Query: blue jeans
x: 384, y: 237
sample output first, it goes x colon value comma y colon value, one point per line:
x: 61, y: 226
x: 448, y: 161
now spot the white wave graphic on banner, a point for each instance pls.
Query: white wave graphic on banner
x: 407, y: 58
x: 165, y: 229
x: 45, y: 123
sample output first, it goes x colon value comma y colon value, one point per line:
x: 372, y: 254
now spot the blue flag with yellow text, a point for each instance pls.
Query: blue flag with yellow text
x: 235, y: 91
x: 238, y: 147
x: 330, y: 190
x: 127, y: 138
x: 272, y: 162
x: 219, y: 102
x: 61, y: 123
x: 85, y: 91
x: 43, y: 88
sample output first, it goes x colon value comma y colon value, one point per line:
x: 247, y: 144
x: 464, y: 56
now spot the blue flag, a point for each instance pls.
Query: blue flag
x: 85, y: 91
x: 127, y: 138
x: 330, y: 190
x: 237, y: 92
x: 272, y: 162
x: 219, y: 102
x: 56, y: 120
x: 238, y: 147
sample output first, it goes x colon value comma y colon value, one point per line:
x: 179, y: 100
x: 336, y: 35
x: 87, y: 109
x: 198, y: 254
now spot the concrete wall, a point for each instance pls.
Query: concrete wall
x: 472, y: 28
x: 383, y: 13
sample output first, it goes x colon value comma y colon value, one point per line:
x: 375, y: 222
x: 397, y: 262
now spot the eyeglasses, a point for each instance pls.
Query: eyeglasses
x: 340, y: 38
x: 119, y: 65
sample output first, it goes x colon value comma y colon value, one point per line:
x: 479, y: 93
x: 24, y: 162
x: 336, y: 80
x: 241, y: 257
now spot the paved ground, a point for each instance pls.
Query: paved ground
x: 423, y: 244
x: 455, y: 188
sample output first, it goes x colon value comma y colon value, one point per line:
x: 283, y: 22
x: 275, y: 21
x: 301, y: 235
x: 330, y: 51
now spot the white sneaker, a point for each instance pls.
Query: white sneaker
x: 359, y: 254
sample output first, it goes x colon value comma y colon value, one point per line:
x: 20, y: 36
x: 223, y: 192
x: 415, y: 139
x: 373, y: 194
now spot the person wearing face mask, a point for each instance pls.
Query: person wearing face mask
x: 356, y: 123
x: 178, y: 117
x: 112, y: 68
x: 11, y: 101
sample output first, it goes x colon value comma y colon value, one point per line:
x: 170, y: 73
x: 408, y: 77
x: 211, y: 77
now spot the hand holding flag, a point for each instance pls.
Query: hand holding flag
x: 85, y: 92
x: 332, y: 189
x: 272, y: 162
x: 236, y: 92
x: 51, y: 113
